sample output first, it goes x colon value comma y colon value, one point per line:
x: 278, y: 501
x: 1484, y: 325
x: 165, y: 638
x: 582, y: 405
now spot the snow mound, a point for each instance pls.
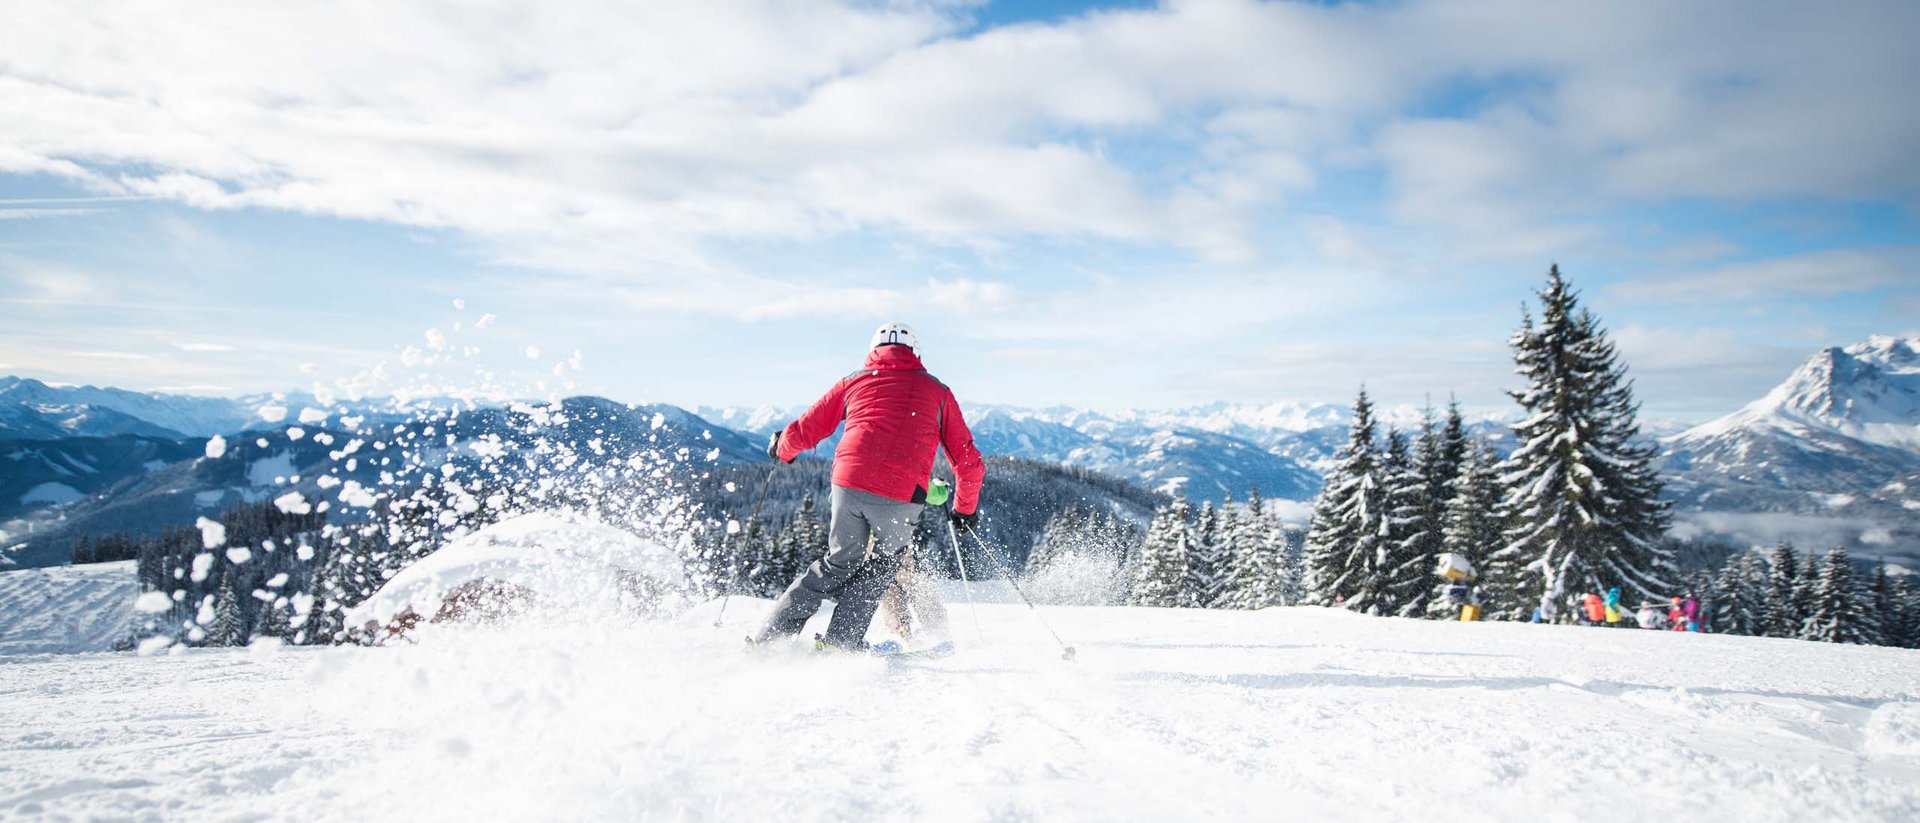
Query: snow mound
x: 1894, y: 729
x: 563, y: 561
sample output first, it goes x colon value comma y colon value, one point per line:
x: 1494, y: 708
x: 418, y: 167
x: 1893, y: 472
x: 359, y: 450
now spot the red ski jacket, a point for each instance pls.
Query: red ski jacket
x: 896, y: 415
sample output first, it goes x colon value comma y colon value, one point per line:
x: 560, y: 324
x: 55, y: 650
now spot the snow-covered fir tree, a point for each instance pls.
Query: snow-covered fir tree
x: 1836, y: 613
x: 1800, y: 602
x: 1162, y: 579
x: 228, y: 627
x: 1451, y: 456
x: 802, y: 541
x: 1739, y: 603
x: 1348, y: 536
x: 1257, y: 572
x: 1470, y: 526
x: 276, y: 619
x: 1701, y: 585
x: 1783, y: 615
x: 1064, y: 531
x: 1905, y: 632
x: 1081, y: 559
x: 1882, y: 602
x: 1438, y: 456
x: 1411, y: 534
x: 1582, y: 493
x: 1206, y: 557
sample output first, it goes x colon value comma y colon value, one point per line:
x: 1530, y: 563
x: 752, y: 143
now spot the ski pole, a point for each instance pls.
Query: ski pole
x: 1066, y: 652
x: 954, y: 538
x: 766, y: 490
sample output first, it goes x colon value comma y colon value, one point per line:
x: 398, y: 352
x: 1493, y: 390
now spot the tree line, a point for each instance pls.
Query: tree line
x: 1576, y: 509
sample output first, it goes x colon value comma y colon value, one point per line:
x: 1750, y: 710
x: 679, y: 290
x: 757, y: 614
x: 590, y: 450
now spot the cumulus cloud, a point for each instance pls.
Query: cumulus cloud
x: 632, y: 140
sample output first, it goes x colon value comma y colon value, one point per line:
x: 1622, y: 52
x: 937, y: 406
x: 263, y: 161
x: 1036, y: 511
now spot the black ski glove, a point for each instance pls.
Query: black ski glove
x: 963, y: 522
x: 773, y: 448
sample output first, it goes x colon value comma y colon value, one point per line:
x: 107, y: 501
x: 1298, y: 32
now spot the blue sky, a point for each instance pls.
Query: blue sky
x: 1122, y: 205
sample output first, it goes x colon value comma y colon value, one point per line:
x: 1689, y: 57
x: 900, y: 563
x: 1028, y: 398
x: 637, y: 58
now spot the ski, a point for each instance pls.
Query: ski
x: 892, y: 650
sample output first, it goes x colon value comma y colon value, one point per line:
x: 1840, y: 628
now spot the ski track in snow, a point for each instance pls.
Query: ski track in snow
x: 1168, y: 714
x: 65, y: 609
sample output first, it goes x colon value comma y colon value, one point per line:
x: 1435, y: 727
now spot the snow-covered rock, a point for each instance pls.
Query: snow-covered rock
x: 546, y: 561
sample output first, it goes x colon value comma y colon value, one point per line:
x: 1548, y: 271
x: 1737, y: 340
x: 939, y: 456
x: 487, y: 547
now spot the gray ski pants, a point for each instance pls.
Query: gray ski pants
x: 865, y: 544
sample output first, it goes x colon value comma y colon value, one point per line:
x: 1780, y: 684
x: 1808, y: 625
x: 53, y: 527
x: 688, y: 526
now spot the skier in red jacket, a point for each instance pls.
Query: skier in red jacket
x: 896, y: 415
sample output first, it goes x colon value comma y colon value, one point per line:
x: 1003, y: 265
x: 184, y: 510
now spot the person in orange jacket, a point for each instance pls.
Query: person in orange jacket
x: 1596, y: 609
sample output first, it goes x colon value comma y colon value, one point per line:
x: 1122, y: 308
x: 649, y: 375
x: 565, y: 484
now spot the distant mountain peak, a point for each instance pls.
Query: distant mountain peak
x: 1868, y: 391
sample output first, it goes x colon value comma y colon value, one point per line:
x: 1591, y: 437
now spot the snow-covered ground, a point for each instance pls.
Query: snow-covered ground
x: 1167, y: 714
x: 65, y: 609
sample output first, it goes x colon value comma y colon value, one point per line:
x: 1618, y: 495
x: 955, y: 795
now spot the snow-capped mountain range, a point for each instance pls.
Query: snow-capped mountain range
x: 1206, y: 452
x: 1830, y: 456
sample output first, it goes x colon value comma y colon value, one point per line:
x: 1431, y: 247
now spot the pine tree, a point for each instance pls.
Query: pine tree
x: 1882, y: 603
x: 1836, y: 613
x: 1413, y: 535
x: 1455, y: 448
x: 1256, y: 573
x: 228, y: 627
x: 1739, y: 603
x: 1065, y: 530
x: 276, y: 619
x: 1439, y: 456
x: 788, y: 553
x: 1206, y: 558
x: 1800, y: 600
x: 1470, y: 527
x: 1704, y: 587
x: 1582, y: 492
x: 1163, y: 559
x: 1906, y: 632
x: 1783, y: 615
x: 1348, y: 535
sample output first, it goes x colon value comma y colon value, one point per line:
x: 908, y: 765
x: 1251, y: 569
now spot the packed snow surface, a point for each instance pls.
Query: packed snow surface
x: 1167, y: 714
x: 65, y: 609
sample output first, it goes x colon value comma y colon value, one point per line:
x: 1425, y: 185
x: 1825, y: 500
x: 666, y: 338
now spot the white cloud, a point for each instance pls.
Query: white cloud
x: 44, y: 213
x: 1816, y: 274
x: 637, y: 141
x: 113, y: 355
x: 203, y: 347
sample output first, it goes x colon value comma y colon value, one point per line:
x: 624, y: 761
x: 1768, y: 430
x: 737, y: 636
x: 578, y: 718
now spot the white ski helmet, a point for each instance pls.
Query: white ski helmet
x: 896, y: 333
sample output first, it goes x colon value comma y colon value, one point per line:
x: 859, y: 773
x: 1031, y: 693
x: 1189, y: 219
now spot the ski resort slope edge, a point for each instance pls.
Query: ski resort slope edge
x: 1168, y: 715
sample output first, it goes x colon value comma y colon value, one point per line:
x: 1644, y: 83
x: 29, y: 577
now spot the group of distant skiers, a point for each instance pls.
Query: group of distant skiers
x: 1684, y: 614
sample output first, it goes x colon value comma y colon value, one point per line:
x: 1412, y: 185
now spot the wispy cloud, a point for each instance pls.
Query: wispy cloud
x: 113, y: 355
x: 203, y: 347
x: 1840, y: 271
x: 43, y: 214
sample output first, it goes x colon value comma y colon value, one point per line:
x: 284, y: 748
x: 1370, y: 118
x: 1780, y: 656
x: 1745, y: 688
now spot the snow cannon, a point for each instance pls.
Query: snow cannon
x: 1454, y: 567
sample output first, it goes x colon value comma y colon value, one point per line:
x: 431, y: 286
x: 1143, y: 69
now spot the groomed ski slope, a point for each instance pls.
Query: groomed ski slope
x: 66, y: 609
x: 1168, y: 714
